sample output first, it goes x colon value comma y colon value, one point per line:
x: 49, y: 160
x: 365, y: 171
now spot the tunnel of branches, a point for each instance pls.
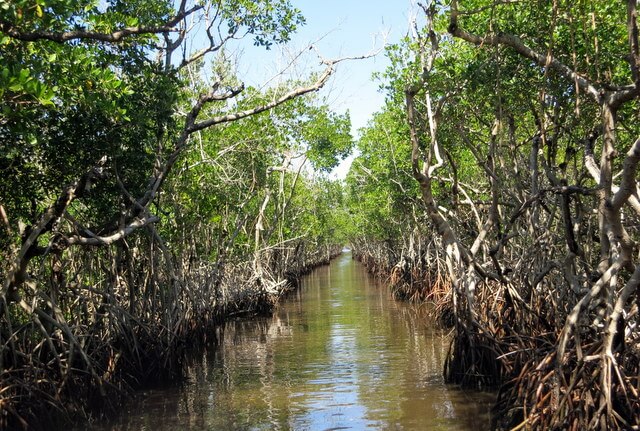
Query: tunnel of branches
x: 147, y: 194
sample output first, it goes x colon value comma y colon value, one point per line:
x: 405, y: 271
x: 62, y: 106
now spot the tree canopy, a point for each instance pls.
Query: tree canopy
x: 507, y: 106
x: 146, y: 191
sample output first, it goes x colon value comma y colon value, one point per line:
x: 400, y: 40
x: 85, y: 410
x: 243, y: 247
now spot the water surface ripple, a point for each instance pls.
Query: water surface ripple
x: 340, y: 354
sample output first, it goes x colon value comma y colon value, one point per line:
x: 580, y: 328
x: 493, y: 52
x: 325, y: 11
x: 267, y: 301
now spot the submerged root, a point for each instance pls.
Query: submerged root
x: 472, y: 361
x: 594, y: 392
x: 422, y: 279
x: 514, y: 343
x: 508, y: 338
x: 73, y: 351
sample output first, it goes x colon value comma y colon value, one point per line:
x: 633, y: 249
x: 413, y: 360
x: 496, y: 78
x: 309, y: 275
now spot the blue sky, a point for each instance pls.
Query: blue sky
x: 354, y: 27
x: 341, y: 28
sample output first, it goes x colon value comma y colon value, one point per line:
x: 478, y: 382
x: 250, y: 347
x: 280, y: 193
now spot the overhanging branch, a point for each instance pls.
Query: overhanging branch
x: 319, y: 83
x: 15, y: 32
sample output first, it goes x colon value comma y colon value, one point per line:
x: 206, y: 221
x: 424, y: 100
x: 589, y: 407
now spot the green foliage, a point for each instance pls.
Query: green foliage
x: 67, y: 105
x: 322, y: 135
x: 93, y: 113
x: 381, y: 190
x: 98, y: 148
x: 269, y: 22
x: 471, y: 88
x: 224, y: 180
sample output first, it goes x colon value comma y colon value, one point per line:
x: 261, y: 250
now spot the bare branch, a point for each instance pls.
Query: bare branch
x: 110, y: 239
x: 594, y: 171
x: 516, y: 44
x: 628, y: 182
x: 29, y: 248
x: 319, y: 83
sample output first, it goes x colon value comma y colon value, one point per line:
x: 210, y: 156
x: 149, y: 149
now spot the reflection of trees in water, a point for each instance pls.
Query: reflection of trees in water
x: 341, y: 332
x: 404, y: 384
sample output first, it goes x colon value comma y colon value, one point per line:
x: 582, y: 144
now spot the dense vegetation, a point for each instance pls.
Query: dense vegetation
x: 500, y: 182
x: 146, y: 193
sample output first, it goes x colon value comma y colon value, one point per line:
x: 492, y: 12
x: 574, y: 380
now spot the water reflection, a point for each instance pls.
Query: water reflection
x: 339, y: 354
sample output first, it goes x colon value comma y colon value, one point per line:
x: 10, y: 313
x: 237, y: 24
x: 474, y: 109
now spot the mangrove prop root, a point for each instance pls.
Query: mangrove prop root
x: 79, y: 342
x: 510, y: 342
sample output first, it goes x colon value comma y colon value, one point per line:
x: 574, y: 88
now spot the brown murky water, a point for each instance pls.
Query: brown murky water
x: 339, y: 354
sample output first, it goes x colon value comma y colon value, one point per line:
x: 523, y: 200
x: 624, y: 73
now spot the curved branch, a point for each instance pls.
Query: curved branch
x: 628, y: 183
x: 194, y: 127
x: 14, y: 32
x: 594, y: 171
x: 110, y: 239
x: 614, y: 96
x: 17, y: 273
x: 516, y: 44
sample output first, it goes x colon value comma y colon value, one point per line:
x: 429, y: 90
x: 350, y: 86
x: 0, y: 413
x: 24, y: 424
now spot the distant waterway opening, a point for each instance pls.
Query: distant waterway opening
x: 339, y: 353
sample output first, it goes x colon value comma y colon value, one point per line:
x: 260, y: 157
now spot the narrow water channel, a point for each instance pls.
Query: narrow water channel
x: 339, y: 354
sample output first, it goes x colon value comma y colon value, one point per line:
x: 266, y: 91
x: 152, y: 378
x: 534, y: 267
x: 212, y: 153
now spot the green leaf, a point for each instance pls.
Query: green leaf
x: 16, y: 87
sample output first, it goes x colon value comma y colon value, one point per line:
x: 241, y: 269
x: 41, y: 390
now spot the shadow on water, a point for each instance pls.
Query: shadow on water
x: 340, y: 353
